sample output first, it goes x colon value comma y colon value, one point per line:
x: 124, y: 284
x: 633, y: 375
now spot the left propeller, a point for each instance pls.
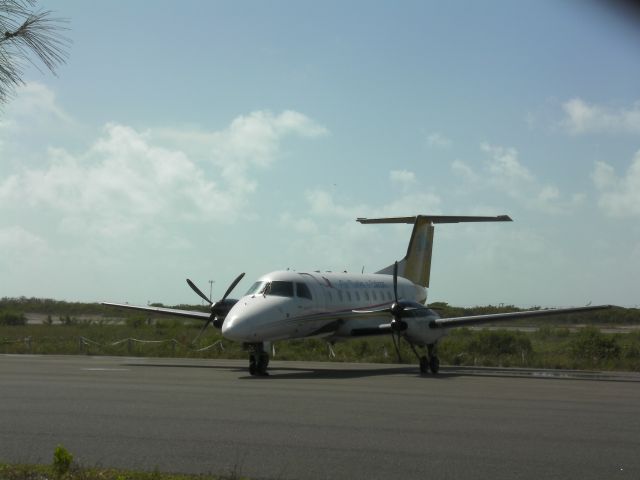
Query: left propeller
x: 220, y: 308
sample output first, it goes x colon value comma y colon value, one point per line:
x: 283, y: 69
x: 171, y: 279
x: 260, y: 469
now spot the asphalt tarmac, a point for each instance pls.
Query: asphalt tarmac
x: 320, y: 420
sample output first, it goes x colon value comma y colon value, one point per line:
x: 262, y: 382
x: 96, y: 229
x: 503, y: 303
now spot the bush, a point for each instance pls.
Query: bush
x: 500, y: 342
x: 631, y: 348
x: 61, y: 460
x: 136, y: 322
x: 12, y: 318
x: 591, y: 344
x: 486, y: 347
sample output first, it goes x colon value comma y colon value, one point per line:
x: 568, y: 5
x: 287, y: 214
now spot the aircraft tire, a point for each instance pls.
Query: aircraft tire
x: 434, y: 364
x: 424, y: 365
x: 263, y: 363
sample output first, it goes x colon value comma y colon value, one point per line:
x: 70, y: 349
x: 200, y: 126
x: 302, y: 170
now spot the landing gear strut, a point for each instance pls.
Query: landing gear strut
x: 258, y: 359
x: 429, y: 362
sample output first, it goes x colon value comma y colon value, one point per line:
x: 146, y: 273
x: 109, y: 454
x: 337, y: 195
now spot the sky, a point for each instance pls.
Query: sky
x: 201, y: 139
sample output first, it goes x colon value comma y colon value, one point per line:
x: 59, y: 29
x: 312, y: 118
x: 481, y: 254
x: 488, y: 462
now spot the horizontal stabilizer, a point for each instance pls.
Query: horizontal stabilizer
x: 437, y: 219
x: 416, y: 264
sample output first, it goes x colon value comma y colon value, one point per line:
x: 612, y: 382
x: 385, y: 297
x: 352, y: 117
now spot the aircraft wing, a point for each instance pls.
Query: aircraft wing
x: 497, y: 317
x: 162, y: 311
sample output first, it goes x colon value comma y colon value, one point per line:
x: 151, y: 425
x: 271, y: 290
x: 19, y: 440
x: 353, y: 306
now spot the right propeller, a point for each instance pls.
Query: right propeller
x: 397, y: 308
x: 397, y: 311
x: 220, y: 308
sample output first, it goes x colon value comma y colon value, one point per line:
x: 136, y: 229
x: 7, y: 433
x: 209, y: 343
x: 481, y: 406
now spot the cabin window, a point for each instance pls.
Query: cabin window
x: 357, y: 296
x: 340, y: 297
x: 366, y: 295
x: 256, y: 288
x: 374, y: 295
x: 348, y: 295
x: 389, y: 296
x: 279, y: 289
x: 303, y: 291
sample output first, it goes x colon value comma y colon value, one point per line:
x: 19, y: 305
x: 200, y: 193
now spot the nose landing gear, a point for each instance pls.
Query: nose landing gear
x: 258, y: 359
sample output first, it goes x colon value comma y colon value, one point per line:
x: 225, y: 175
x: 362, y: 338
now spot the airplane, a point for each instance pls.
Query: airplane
x: 284, y: 305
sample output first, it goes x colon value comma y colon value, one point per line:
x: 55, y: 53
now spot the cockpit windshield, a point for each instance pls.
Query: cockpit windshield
x: 280, y: 289
x: 277, y: 288
x: 256, y: 288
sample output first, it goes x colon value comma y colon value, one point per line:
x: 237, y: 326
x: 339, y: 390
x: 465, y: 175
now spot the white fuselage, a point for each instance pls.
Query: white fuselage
x: 287, y: 304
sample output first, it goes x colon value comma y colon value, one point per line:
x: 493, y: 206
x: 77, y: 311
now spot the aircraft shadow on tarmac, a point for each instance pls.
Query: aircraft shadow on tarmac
x: 289, y: 373
x: 305, y: 373
x: 446, y: 372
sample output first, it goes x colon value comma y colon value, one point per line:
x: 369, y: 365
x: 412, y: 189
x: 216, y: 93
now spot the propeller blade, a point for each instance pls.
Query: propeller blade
x: 204, y: 327
x: 396, y: 344
x: 395, y: 281
x: 197, y: 290
x: 233, y: 285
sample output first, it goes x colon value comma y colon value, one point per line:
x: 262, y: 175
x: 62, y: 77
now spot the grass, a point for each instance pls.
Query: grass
x: 64, y: 468
x: 549, y: 347
x: 49, y: 472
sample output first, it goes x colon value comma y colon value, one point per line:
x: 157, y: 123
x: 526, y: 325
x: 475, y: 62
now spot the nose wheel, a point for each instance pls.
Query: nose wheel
x: 258, y: 360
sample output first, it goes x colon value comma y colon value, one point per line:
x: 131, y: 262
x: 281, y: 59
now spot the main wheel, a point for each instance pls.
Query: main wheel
x: 253, y: 367
x: 434, y: 364
x: 263, y: 363
x: 424, y: 365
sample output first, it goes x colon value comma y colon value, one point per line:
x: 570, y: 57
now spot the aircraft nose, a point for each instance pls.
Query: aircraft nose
x: 235, y: 328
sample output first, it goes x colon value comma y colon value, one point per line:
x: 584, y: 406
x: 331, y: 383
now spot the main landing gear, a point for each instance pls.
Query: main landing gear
x: 429, y: 362
x: 258, y: 359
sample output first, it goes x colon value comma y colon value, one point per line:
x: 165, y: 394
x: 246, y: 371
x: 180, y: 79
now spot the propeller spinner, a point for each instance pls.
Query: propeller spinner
x: 219, y: 309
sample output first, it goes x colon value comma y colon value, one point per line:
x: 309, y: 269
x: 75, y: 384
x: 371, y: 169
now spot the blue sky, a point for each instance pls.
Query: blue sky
x: 202, y: 139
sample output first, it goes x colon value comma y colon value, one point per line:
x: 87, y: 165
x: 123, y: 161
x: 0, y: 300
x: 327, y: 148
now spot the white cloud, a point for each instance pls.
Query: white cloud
x: 582, y: 117
x: 505, y: 169
x: 463, y: 170
x: 32, y: 113
x: 250, y: 141
x: 37, y: 102
x: 128, y: 195
x: 15, y: 238
x: 30, y: 122
x: 117, y: 184
x: 504, y: 172
x: 300, y: 225
x: 402, y: 178
x: 330, y: 237
x: 323, y: 204
x: 438, y: 140
x: 129, y: 181
x: 619, y: 197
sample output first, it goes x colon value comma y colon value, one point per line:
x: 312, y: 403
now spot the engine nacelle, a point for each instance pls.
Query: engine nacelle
x: 420, y: 332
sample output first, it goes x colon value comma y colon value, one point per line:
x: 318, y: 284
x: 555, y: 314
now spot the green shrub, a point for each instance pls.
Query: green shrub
x: 61, y: 460
x: 12, y: 318
x: 500, y: 342
x: 136, y: 322
x: 631, y: 347
x: 591, y: 344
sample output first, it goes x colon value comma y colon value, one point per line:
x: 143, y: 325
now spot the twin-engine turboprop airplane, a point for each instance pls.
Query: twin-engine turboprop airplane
x: 338, y: 306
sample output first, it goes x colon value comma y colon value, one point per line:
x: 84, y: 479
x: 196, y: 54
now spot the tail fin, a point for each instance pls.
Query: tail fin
x: 416, y: 265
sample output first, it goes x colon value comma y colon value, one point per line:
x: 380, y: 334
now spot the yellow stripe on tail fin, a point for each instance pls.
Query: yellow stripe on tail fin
x: 416, y: 265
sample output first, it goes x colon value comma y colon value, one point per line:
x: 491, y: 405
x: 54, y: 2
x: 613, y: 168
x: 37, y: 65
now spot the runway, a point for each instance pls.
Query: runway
x: 320, y: 420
